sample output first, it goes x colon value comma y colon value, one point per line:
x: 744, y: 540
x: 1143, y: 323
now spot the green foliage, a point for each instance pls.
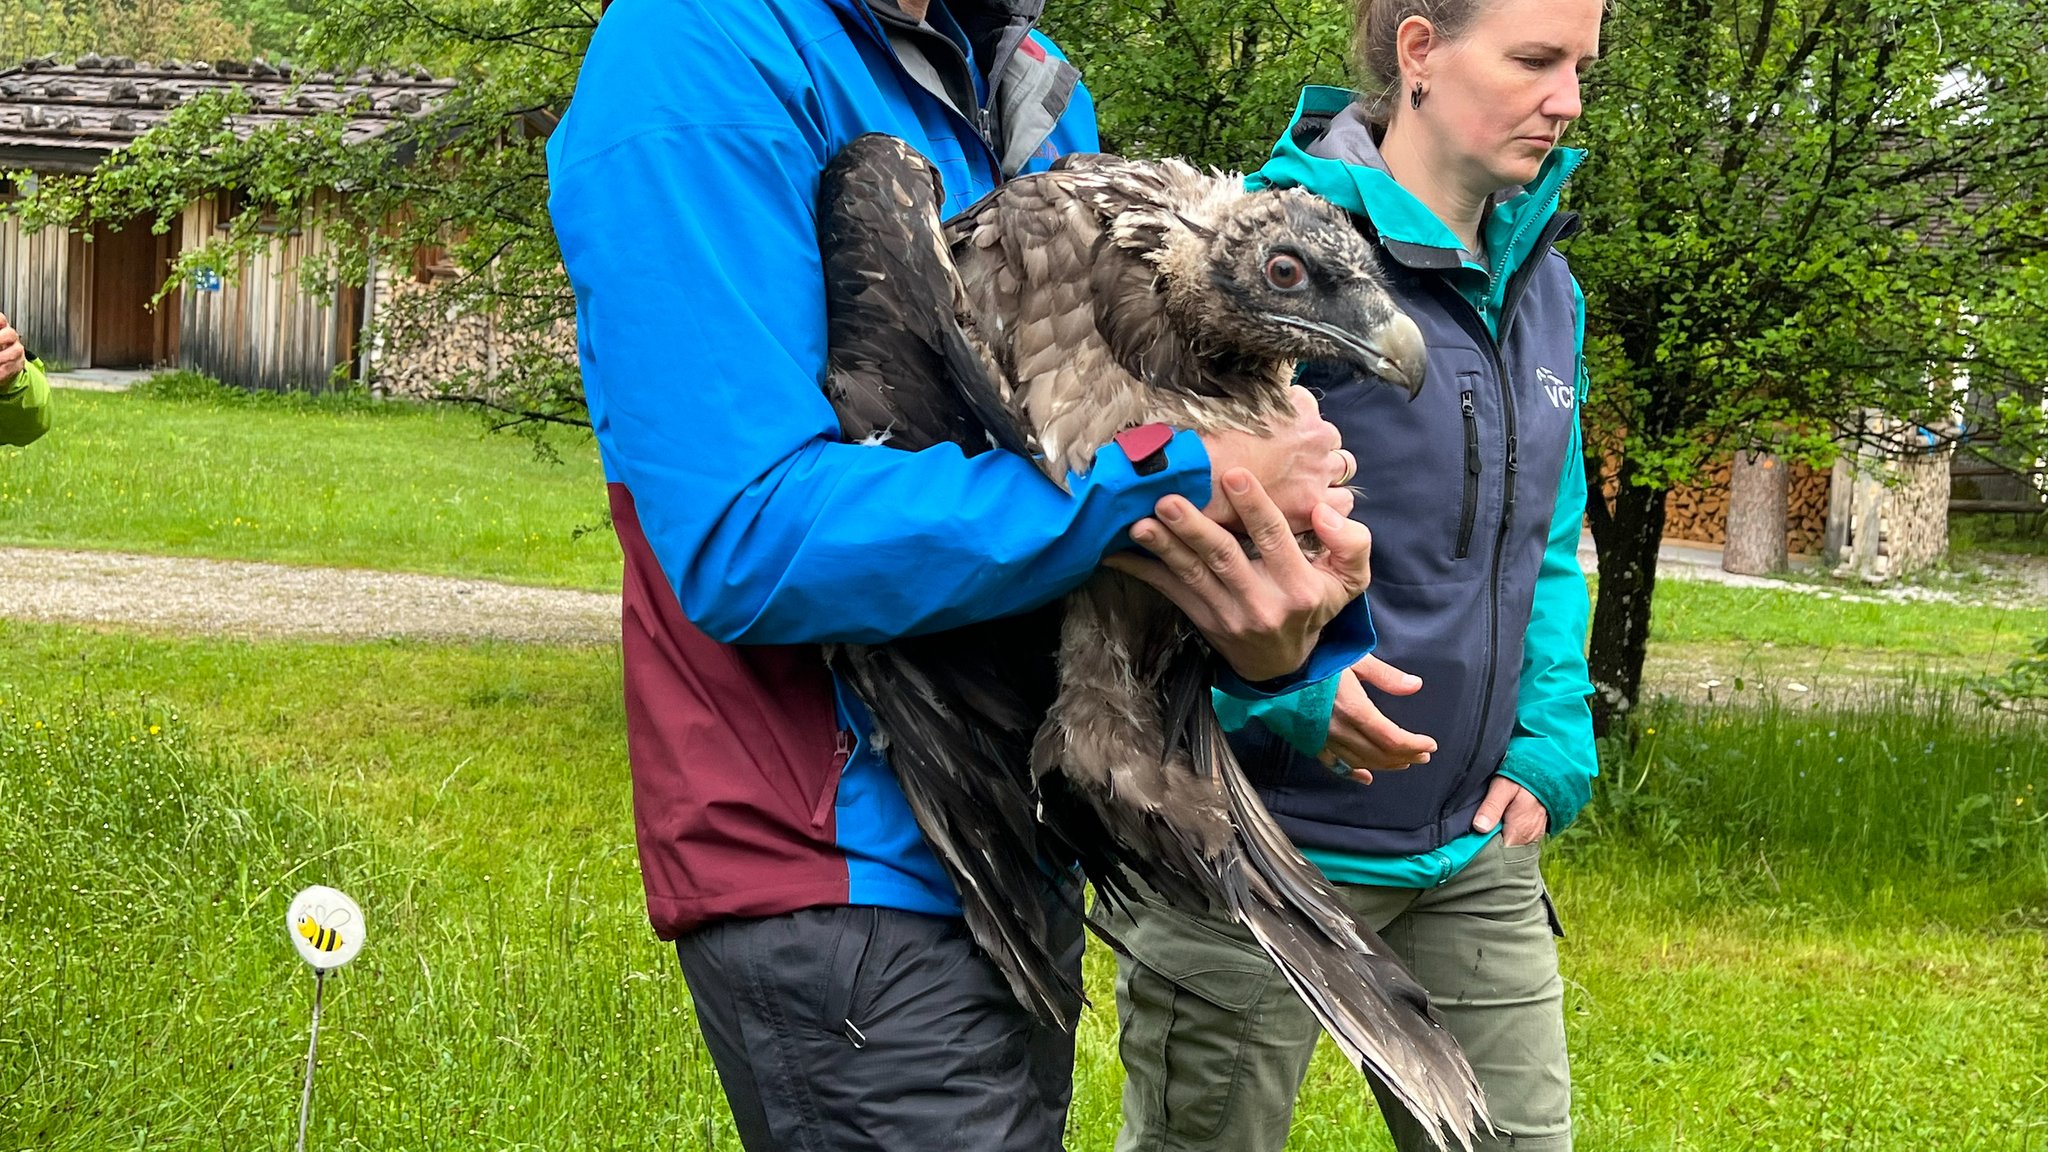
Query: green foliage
x: 1999, y: 532
x: 2024, y: 685
x: 1211, y: 80
x: 274, y: 26
x: 145, y: 29
x: 1795, y: 209
x: 1800, y: 213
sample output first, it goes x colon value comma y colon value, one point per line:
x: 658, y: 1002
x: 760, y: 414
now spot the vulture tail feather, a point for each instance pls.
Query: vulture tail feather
x: 1367, y: 1000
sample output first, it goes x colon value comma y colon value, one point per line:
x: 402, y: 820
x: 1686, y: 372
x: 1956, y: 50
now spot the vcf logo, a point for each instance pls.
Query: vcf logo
x: 1562, y: 395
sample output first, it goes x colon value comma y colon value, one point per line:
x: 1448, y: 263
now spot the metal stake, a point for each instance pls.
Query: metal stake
x: 312, y: 1046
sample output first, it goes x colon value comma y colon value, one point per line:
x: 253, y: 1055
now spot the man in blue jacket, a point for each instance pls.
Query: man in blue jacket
x: 839, y: 995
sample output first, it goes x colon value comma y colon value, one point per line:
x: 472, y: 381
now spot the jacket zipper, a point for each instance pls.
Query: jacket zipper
x: 1469, y: 510
x: 842, y: 752
x: 1555, y: 227
x: 983, y: 121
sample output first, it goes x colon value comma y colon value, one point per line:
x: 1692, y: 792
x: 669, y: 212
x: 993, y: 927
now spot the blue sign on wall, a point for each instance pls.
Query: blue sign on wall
x: 206, y: 280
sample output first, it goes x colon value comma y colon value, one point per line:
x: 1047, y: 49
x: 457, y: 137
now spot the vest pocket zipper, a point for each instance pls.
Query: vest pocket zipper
x: 1469, y: 509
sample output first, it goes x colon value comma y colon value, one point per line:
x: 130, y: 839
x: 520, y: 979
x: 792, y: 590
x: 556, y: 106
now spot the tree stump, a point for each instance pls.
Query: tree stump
x: 1759, y: 493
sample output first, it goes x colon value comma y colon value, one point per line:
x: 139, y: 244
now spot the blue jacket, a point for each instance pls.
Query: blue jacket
x: 684, y: 178
x: 1475, y: 493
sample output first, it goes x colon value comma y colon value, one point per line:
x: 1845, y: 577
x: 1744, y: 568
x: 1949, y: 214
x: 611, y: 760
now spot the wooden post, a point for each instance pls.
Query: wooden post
x: 1834, y: 548
x: 1759, y: 492
x: 1865, y: 556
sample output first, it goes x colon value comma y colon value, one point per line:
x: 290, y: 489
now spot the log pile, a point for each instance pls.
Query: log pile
x: 1699, y: 513
x: 1916, y: 513
x: 426, y: 354
x: 1891, y: 510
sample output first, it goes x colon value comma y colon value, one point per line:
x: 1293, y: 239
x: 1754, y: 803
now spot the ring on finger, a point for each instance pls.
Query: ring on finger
x: 1350, y: 466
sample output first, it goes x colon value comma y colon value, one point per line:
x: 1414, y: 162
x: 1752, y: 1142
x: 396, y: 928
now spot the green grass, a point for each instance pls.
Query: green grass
x: 1999, y: 532
x: 1769, y: 638
x: 1852, y: 959
x: 190, y: 469
x: 1689, y: 612
x: 1927, y: 781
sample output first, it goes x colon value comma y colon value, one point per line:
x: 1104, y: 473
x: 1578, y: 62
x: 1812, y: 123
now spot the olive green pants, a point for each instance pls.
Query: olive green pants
x: 1215, y: 1045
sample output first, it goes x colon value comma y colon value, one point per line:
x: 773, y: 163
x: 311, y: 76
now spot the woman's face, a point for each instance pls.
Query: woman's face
x: 1500, y: 97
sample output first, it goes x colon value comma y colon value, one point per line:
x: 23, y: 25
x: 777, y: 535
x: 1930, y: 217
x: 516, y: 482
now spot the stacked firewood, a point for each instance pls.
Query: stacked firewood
x: 1699, y: 512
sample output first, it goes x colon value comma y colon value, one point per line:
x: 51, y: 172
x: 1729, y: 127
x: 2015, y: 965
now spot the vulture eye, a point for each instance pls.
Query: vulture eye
x: 1285, y: 272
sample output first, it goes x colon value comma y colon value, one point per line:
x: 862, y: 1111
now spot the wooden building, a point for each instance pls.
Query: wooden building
x: 84, y: 299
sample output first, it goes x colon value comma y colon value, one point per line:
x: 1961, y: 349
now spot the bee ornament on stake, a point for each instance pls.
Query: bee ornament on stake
x: 326, y: 928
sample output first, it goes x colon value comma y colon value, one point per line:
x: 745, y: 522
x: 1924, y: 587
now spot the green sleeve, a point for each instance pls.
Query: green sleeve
x: 25, y: 406
x: 1298, y: 710
x: 1300, y: 716
x: 1551, y: 752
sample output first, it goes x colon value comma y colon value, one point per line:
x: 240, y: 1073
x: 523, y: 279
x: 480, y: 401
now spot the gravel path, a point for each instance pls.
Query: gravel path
x: 238, y: 598
x: 241, y: 598
x: 2004, y: 581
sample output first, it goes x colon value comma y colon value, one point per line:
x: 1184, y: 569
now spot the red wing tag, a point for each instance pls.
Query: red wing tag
x: 1145, y: 447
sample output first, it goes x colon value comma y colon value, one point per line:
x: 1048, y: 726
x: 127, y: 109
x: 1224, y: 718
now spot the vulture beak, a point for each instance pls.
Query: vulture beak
x: 1394, y: 351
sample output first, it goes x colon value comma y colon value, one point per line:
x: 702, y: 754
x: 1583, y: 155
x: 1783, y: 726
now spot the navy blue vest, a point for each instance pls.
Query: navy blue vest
x: 1459, y: 489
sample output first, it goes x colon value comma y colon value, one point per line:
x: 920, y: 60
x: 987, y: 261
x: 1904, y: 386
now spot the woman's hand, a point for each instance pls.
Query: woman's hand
x: 1523, y: 818
x: 1263, y: 615
x: 1362, y: 739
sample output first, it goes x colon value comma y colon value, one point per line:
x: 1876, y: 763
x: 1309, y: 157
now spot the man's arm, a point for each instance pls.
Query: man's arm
x: 701, y: 316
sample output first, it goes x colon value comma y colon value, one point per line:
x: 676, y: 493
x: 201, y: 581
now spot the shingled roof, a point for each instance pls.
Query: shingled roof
x: 69, y: 117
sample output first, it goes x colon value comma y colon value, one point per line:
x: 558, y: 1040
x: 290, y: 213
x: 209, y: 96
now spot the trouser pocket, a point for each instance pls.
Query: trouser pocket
x: 1528, y: 859
x: 1214, y: 1042
x: 842, y: 988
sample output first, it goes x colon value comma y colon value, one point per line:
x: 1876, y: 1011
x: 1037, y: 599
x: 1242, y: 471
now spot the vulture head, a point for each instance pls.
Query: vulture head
x: 1284, y: 276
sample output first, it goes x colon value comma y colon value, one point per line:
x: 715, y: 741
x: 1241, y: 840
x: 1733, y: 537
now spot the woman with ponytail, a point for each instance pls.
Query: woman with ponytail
x: 1423, y: 780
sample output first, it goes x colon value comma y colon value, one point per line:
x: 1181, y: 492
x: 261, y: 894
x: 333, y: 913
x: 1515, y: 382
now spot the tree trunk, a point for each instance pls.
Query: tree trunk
x: 1759, y: 492
x: 1627, y: 534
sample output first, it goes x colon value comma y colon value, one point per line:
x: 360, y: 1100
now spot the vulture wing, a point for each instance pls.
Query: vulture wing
x: 956, y: 710
x: 904, y: 366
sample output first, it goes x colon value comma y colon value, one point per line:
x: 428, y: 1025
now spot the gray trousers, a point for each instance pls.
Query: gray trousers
x: 1215, y: 1045
x: 855, y: 1029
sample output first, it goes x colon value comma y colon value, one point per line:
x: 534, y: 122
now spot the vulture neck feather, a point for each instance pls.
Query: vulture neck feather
x: 1075, y: 412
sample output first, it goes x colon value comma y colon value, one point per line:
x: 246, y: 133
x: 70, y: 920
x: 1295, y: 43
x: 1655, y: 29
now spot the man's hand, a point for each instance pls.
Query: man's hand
x: 1301, y: 464
x: 1262, y: 615
x: 1362, y: 739
x: 1510, y: 804
x: 13, y: 357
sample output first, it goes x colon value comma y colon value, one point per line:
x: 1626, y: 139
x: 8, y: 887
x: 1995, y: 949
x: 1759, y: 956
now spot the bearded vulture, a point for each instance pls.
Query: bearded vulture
x: 1055, y: 313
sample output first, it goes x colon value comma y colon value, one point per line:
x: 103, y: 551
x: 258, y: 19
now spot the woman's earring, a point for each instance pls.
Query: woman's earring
x: 1415, y: 95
